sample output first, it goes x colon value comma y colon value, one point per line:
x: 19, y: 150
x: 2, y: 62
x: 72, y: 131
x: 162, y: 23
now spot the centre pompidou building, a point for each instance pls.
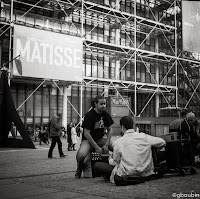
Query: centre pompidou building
x: 141, y: 54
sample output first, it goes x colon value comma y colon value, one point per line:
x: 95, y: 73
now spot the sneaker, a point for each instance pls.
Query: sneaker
x: 63, y: 156
x: 78, y: 174
x: 79, y: 171
x: 105, y: 177
x: 51, y: 157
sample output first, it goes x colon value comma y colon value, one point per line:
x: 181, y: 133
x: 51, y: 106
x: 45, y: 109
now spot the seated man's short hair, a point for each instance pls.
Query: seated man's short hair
x: 127, y: 122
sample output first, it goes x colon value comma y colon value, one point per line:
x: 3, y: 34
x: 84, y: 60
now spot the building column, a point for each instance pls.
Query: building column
x: 117, y: 68
x: 117, y: 4
x: 0, y: 53
x: 64, y: 112
x: 117, y: 60
x: 81, y: 103
x: 117, y: 36
x: 157, y: 99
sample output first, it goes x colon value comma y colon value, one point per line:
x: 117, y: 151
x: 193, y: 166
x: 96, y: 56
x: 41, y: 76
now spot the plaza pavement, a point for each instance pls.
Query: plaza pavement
x: 29, y: 174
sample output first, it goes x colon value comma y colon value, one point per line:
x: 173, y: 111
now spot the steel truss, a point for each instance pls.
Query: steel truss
x: 73, y: 17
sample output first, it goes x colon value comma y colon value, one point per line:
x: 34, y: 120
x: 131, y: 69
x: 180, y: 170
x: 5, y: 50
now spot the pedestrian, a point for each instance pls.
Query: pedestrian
x: 79, y: 131
x: 64, y: 132
x: 55, y: 134
x: 40, y: 135
x: 13, y: 130
x: 44, y: 136
x: 69, y: 136
x: 36, y: 134
x: 73, y: 137
x: 132, y: 153
x: 94, y: 124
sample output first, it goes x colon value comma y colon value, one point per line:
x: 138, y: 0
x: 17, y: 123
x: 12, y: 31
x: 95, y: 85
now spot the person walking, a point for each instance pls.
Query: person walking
x: 96, y: 122
x: 55, y: 133
x: 74, y: 137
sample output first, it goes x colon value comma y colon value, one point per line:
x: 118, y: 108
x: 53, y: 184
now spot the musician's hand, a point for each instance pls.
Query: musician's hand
x: 98, y: 150
x: 111, y: 161
x: 105, y: 149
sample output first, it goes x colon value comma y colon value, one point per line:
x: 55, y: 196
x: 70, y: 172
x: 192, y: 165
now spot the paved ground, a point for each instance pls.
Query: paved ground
x: 29, y: 174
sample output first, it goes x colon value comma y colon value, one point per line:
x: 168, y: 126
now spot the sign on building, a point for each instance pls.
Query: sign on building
x: 47, y: 55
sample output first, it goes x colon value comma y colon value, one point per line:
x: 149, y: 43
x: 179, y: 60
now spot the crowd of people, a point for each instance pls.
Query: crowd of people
x: 39, y: 135
x: 72, y: 133
x: 55, y: 131
x: 128, y: 155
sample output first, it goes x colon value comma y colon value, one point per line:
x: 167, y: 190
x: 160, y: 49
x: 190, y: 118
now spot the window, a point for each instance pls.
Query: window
x: 38, y: 103
x: 88, y: 67
x: 29, y: 102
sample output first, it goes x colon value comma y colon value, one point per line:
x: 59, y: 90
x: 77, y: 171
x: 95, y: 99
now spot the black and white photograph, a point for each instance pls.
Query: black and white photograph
x: 99, y: 99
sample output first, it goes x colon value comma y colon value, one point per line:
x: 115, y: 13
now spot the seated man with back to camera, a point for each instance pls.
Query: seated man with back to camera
x: 132, y: 154
x: 94, y: 125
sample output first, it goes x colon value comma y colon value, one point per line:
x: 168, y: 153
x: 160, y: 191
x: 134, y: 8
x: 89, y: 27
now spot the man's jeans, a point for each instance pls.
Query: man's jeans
x: 83, y: 154
x: 55, y: 139
x: 104, y: 169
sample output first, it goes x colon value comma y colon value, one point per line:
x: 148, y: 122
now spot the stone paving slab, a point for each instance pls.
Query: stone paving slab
x: 29, y: 174
x: 24, y: 191
x: 6, y: 182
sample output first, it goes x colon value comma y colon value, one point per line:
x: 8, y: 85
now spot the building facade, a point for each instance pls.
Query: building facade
x: 131, y: 50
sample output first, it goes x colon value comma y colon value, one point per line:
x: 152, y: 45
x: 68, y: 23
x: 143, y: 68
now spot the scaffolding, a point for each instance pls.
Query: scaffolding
x: 136, y: 45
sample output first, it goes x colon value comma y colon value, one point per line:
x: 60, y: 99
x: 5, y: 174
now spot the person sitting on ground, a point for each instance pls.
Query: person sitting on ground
x: 189, y: 129
x: 132, y: 154
x: 94, y: 125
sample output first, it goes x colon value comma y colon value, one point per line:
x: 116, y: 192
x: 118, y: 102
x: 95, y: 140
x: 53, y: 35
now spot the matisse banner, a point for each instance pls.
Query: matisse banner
x: 48, y: 55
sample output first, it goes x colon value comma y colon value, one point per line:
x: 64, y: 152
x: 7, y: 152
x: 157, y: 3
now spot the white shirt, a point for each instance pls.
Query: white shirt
x: 74, y: 135
x: 132, y: 154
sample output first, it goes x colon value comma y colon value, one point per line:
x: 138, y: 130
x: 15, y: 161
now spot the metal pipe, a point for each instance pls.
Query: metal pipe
x: 10, y: 43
